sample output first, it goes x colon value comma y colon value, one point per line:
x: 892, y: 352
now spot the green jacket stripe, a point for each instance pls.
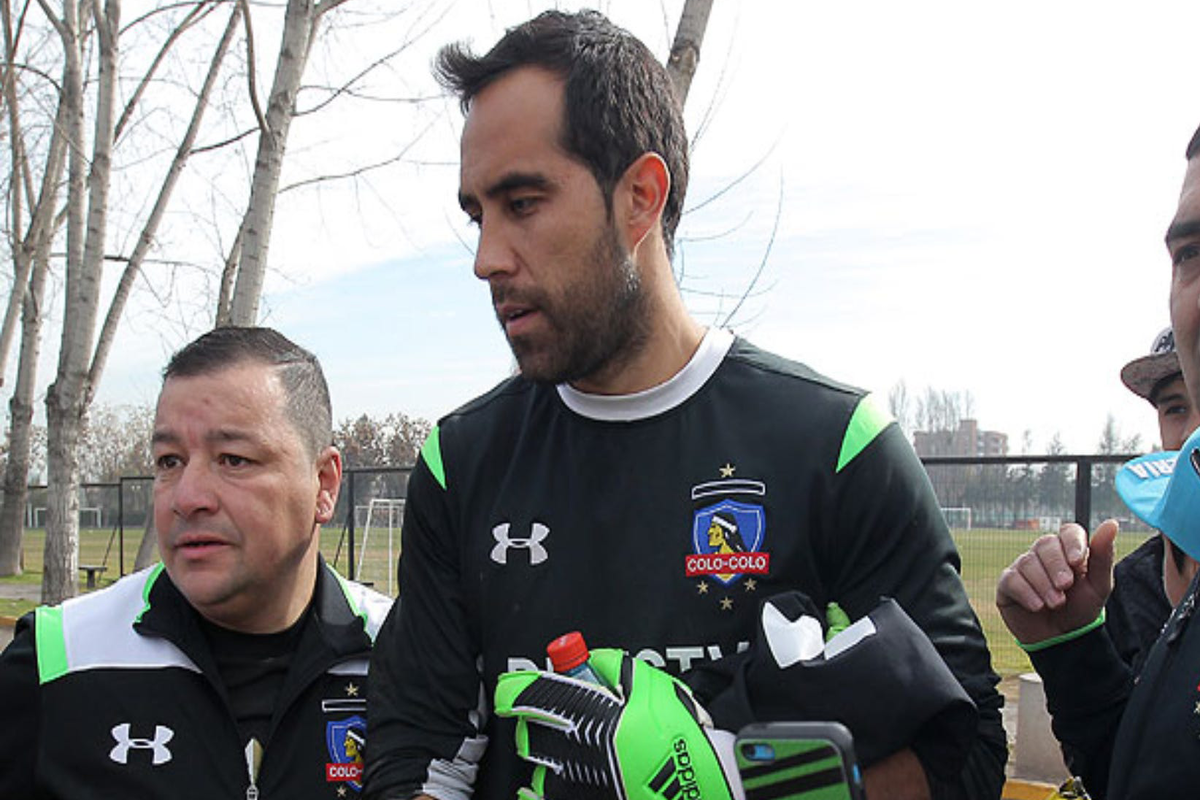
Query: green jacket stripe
x: 51, y: 644
x: 867, y: 422
x: 431, y: 451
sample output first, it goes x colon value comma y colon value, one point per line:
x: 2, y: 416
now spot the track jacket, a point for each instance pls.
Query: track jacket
x: 116, y: 694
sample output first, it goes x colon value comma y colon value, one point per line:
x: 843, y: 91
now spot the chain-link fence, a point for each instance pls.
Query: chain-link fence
x: 997, y: 506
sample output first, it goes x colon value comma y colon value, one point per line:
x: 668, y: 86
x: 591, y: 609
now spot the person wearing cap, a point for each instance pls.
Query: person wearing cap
x: 1151, y: 580
x: 1126, y: 738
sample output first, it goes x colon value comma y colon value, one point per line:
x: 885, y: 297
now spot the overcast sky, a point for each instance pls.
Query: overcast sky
x: 969, y: 196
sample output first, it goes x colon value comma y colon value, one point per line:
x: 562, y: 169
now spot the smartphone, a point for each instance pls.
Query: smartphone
x: 798, y: 761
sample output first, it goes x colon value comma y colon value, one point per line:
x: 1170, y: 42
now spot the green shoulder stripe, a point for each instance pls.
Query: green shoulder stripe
x: 146, y: 587
x: 51, y: 644
x: 431, y: 451
x: 867, y: 422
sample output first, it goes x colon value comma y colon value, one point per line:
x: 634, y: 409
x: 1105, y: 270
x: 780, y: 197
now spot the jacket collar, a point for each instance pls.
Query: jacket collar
x: 332, y: 625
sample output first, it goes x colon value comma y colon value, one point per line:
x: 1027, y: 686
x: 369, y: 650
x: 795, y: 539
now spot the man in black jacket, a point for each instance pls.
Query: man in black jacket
x: 238, y: 666
x: 1127, y: 740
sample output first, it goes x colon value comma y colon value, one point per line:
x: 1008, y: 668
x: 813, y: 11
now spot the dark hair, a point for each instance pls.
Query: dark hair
x: 304, y: 385
x: 1194, y: 145
x: 619, y: 100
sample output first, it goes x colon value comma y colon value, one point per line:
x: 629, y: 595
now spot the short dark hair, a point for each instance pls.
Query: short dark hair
x: 620, y: 102
x: 1194, y: 145
x: 304, y: 386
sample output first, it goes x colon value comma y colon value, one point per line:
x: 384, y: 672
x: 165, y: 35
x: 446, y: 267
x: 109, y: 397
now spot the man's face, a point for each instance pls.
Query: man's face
x: 1183, y: 244
x: 565, y: 290
x: 1176, y: 415
x: 238, y: 496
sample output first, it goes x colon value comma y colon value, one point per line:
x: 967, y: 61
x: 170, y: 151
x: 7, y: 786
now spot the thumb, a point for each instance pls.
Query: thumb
x: 1101, y: 550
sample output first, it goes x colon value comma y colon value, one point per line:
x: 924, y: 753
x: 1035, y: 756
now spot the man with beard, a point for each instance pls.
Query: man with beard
x: 579, y: 494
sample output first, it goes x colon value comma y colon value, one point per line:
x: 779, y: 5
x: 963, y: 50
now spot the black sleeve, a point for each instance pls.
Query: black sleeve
x: 1085, y: 714
x: 888, y: 537
x: 20, y: 710
x: 424, y: 722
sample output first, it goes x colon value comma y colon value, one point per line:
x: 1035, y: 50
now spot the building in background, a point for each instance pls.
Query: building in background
x: 966, y: 440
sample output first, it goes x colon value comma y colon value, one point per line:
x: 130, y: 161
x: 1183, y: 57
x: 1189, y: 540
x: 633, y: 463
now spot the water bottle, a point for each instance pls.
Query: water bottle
x: 569, y: 656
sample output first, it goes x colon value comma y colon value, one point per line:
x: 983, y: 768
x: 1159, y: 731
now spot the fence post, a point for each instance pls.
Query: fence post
x: 350, y: 526
x: 121, y: 526
x: 1083, y: 492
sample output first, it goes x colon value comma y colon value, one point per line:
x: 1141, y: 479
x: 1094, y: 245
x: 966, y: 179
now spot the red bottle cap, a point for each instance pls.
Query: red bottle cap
x: 567, y: 651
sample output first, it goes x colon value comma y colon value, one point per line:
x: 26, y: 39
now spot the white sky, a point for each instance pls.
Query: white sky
x: 971, y: 198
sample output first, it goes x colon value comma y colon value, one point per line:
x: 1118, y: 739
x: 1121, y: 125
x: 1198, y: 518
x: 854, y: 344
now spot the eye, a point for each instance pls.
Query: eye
x: 1185, y: 253
x: 233, y: 460
x: 1174, y: 409
x: 166, y: 462
x: 522, y: 206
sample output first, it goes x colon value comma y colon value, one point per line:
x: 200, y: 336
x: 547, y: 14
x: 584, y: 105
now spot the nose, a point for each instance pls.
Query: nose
x: 192, y: 491
x: 493, y: 254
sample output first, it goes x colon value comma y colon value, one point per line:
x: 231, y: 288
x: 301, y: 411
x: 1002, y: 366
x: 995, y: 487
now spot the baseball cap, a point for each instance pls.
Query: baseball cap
x: 1142, y: 374
x: 1163, y: 490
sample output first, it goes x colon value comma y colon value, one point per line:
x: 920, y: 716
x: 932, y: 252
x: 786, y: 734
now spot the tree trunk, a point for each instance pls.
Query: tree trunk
x: 685, y: 51
x: 65, y: 399
x: 300, y: 27
x: 16, y: 471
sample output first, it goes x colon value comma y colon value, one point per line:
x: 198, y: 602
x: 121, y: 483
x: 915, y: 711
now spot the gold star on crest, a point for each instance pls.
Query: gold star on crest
x: 727, y: 470
x: 702, y: 587
x: 726, y: 604
x: 751, y: 584
x: 341, y: 791
x: 351, y: 690
x: 1198, y: 708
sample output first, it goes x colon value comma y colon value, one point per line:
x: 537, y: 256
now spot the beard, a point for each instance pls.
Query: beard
x: 597, y: 324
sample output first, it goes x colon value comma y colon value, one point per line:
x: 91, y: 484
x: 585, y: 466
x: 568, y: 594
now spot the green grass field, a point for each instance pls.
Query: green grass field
x: 985, y: 553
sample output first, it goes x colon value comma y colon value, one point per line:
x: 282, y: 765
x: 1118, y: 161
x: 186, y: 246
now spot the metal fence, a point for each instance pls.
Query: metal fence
x: 995, y: 507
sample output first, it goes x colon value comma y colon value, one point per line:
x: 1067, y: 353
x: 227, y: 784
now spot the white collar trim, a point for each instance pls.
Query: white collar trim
x: 656, y: 399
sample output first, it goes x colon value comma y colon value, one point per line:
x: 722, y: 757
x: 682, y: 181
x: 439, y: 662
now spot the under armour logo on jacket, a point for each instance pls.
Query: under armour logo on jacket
x: 504, y: 542
x: 162, y: 735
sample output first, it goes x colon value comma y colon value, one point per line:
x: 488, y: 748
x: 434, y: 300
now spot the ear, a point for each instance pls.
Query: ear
x: 329, y: 482
x: 643, y: 189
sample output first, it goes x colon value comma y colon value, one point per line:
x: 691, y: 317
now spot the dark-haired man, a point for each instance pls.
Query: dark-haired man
x: 1151, y: 580
x: 237, y: 667
x: 1127, y: 739
x: 580, y: 494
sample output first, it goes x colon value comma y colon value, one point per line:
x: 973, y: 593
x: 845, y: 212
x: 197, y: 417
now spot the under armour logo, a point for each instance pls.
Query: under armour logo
x: 162, y: 735
x: 537, y: 551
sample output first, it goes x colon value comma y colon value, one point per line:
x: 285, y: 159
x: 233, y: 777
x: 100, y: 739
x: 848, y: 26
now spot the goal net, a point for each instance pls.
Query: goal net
x: 958, y: 517
x: 377, y: 555
x: 89, y: 517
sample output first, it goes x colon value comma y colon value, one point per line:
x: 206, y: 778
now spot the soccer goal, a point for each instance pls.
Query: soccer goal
x: 89, y: 517
x: 958, y: 518
x: 381, y: 513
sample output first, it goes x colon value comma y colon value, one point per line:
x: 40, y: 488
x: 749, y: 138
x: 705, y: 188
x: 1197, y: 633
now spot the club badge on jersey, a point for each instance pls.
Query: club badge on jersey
x: 728, y: 531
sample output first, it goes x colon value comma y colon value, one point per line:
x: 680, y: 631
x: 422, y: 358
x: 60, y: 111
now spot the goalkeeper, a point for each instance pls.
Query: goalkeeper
x: 643, y: 479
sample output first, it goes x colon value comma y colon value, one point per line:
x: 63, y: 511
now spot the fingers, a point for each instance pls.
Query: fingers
x: 1040, y: 577
x: 1100, y: 557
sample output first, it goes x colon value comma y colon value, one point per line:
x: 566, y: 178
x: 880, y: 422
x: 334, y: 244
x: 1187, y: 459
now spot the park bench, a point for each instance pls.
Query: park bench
x: 92, y: 570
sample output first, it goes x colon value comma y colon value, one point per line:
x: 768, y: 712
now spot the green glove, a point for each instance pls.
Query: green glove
x: 644, y: 740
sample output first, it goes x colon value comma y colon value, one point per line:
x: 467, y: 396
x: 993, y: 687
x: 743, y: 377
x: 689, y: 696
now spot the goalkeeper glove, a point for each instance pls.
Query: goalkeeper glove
x: 644, y: 740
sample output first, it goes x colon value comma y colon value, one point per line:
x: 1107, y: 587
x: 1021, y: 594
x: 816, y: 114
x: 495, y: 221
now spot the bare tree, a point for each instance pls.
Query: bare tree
x: 685, y: 50
x: 249, y: 257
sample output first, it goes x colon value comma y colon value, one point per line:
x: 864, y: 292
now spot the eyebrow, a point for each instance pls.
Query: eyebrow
x: 1182, y: 229
x: 168, y: 437
x: 509, y: 182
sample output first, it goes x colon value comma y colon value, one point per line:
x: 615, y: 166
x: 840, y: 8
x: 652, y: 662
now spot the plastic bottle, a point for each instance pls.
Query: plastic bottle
x: 569, y: 656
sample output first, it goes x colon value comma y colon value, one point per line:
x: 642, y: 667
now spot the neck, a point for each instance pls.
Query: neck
x: 671, y: 338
